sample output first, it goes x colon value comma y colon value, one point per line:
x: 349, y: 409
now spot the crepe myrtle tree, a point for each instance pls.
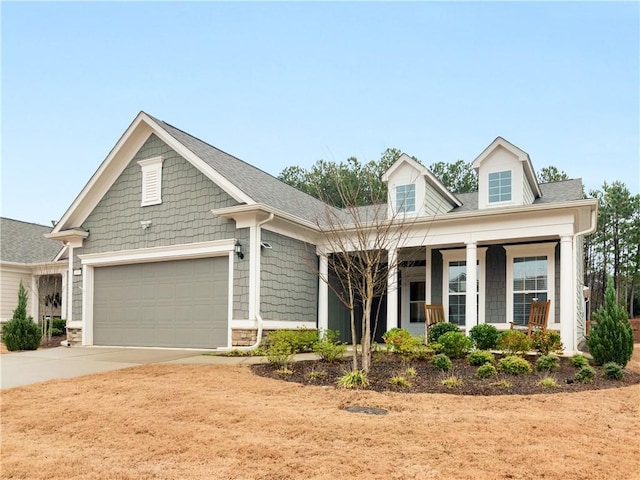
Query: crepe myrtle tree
x: 357, y: 241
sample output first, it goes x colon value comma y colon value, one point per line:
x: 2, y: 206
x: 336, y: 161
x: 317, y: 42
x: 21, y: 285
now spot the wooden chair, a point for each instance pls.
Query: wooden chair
x: 432, y: 314
x: 538, y: 318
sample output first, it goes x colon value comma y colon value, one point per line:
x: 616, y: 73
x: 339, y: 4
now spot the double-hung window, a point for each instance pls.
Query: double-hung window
x: 500, y: 187
x: 406, y: 198
x: 454, y: 285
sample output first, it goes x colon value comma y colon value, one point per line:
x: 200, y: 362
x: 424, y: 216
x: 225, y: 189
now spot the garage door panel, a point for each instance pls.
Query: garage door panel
x: 179, y: 303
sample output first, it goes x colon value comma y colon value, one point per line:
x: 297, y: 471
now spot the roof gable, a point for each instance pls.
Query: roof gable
x: 23, y: 242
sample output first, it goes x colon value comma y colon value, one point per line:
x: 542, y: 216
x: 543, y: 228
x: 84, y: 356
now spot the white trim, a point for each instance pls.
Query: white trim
x: 87, y: 304
x: 272, y: 324
x: 151, y: 181
x: 230, y: 301
x: 532, y: 250
x: 459, y: 255
x: 408, y: 275
x: 159, y: 254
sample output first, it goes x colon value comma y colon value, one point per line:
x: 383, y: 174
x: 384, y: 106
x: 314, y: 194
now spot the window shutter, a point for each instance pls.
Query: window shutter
x: 151, y: 181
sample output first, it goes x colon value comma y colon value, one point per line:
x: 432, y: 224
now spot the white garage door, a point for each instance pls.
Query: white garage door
x: 180, y: 303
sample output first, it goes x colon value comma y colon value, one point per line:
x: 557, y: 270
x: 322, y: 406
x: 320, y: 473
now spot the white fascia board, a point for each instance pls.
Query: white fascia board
x: 272, y: 324
x: 439, y: 186
x: 159, y: 254
x: 403, y: 158
x: 247, y: 213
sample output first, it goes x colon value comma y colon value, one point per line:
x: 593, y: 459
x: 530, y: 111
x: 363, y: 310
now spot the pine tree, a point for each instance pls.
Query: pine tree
x: 611, y: 336
x: 21, y: 332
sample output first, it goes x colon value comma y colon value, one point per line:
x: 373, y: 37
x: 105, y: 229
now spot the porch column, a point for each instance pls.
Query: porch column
x: 471, y: 309
x: 70, y: 285
x: 63, y: 294
x: 323, y: 295
x: 392, y: 289
x: 567, y: 295
x: 427, y: 277
x: 34, y: 297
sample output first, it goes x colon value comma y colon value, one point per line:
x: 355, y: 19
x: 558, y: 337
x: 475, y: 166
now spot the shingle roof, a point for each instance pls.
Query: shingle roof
x: 257, y: 184
x: 22, y: 242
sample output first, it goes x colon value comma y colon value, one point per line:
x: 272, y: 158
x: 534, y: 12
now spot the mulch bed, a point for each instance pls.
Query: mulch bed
x: 429, y: 380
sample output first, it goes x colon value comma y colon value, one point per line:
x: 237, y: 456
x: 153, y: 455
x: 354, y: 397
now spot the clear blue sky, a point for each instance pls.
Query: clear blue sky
x: 279, y: 84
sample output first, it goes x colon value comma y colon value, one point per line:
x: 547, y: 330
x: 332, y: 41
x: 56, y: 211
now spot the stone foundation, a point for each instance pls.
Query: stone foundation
x: 74, y: 335
x: 244, y: 337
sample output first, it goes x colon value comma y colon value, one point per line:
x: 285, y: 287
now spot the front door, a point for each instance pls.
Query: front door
x: 413, y: 296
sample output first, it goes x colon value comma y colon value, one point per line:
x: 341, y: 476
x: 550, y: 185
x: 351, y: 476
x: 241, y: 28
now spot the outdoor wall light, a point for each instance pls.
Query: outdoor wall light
x: 238, y: 249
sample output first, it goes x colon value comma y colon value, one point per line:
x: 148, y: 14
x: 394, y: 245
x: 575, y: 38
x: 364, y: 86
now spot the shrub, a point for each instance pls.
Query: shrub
x: 410, y: 372
x: 300, y: 340
x: 579, y: 360
x: 455, y: 344
x: 353, y: 379
x: 549, y: 382
x: 421, y: 352
x: 314, y: 375
x: 547, y: 341
x: 613, y: 371
x: 484, y: 336
x: 514, y: 365
x: 547, y: 363
x: 585, y: 375
x: 452, y: 381
x: 610, y: 337
x: 480, y: 357
x: 513, y: 342
x: 329, y: 349
x: 439, y: 329
x: 399, y: 381
x: 486, y: 371
x: 21, y: 332
x: 280, y: 354
x: 441, y: 362
x: 400, y: 340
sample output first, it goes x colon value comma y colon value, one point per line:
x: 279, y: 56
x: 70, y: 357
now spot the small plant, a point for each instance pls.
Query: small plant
x: 585, y: 375
x: 502, y: 384
x: 299, y: 341
x: 452, y: 382
x: 547, y: 341
x: 399, y: 381
x: 611, y: 337
x: 486, y: 371
x: 480, y: 357
x: 455, y: 344
x: 400, y: 340
x: 484, y: 336
x: 284, y: 371
x: 280, y: 354
x: 21, y: 332
x: 410, y: 372
x: 421, y: 352
x: 353, y: 379
x: 439, y: 329
x: 513, y: 342
x: 329, y: 349
x: 547, y: 363
x: 548, y: 382
x: 441, y: 362
x: 579, y: 360
x: 514, y: 365
x: 314, y: 375
x: 613, y: 370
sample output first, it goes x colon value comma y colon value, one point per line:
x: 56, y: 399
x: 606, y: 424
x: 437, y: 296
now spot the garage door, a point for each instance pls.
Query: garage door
x: 179, y: 303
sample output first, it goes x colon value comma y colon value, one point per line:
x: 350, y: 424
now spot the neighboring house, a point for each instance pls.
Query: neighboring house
x: 174, y: 243
x: 27, y: 256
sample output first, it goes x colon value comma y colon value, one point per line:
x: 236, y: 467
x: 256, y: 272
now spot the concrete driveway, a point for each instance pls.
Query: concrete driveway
x: 24, y: 368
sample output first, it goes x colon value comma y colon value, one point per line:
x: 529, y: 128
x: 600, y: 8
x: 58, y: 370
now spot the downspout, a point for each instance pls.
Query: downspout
x: 590, y: 229
x: 257, y: 277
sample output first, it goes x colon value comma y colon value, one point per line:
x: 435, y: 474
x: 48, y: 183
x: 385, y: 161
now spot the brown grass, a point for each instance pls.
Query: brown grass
x: 201, y: 422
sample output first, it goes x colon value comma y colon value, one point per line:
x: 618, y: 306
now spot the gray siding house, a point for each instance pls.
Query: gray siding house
x: 174, y: 243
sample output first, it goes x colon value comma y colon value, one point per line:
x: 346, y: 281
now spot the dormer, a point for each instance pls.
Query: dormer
x: 505, y: 176
x: 414, y: 191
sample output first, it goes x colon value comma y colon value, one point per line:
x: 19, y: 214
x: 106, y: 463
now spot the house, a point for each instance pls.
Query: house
x: 175, y: 243
x: 27, y: 256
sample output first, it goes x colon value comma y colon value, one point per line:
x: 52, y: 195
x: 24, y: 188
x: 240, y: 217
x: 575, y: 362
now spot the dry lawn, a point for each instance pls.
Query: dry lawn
x: 201, y: 422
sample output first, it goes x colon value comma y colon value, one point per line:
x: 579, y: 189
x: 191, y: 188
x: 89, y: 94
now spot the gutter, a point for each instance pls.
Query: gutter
x: 592, y: 228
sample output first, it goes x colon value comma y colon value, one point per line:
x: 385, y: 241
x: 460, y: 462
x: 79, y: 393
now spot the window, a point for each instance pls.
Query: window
x: 151, y: 181
x: 416, y: 302
x: 530, y: 276
x: 455, y: 285
x: 500, y: 186
x: 406, y: 198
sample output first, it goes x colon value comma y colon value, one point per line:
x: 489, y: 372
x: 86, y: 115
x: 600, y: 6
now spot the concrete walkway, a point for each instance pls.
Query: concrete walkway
x: 24, y: 368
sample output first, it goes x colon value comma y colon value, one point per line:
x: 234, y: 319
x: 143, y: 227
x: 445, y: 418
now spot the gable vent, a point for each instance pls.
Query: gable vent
x: 151, y: 181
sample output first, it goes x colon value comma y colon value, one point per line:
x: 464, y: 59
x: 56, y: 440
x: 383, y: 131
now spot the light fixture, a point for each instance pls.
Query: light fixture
x: 238, y: 249
x: 145, y: 224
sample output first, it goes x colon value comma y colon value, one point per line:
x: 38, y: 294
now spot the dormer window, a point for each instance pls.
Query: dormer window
x: 500, y: 186
x: 151, y: 181
x: 406, y: 198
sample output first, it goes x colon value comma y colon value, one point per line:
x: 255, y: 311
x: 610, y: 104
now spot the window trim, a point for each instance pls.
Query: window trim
x: 532, y: 250
x: 401, y: 206
x: 500, y: 200
x: 151, y: 167
x: 459, y: 255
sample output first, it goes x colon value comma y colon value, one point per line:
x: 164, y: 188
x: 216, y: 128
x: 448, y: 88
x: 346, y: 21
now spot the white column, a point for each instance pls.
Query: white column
x: 471, y: 309
x: 392, y: 289
x: 567, y: 295
x: 427, y: 277
x: 323, y: 295
x: 63, y: 293
x: 34, y: 298
x: 70, y: 285
x: 254, y: 252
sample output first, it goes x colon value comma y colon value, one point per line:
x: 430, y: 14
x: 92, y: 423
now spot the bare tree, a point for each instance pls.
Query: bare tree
x: 48, y: 294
